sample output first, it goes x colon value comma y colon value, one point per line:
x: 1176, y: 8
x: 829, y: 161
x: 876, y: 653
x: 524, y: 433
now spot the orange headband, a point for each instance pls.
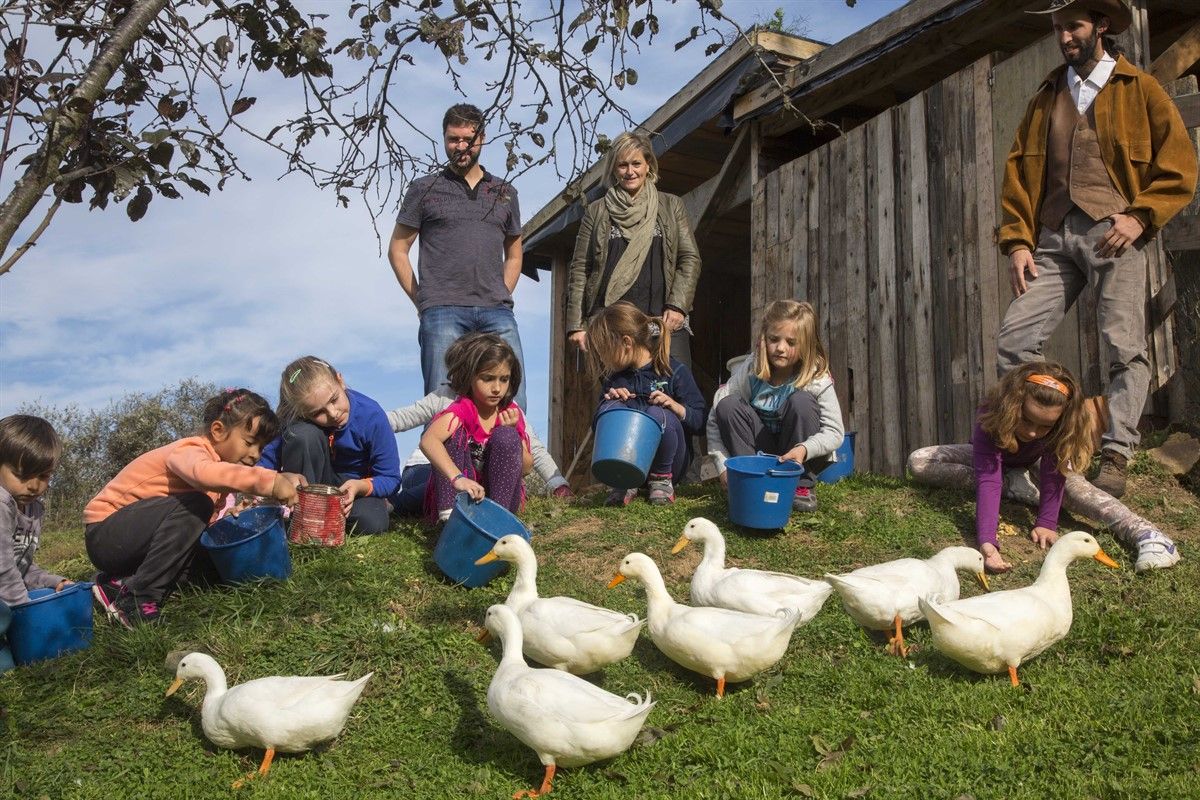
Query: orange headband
x: 1046, y: 380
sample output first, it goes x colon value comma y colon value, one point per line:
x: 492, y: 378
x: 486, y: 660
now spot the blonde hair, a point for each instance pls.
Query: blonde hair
x: 298, y: 381
x: 606, y: 332
x: 811, y: 358
x: 1070, y: 438
x: 630, y: 140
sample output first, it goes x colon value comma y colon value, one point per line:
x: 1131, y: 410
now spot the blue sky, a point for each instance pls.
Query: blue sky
x: 229, y: 288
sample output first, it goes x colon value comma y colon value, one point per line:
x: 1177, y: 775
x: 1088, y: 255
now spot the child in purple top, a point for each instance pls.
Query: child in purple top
x: 1035, y: 414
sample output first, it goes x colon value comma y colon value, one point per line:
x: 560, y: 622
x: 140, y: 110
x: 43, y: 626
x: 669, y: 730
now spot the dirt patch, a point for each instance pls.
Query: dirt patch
x: 550, y: 533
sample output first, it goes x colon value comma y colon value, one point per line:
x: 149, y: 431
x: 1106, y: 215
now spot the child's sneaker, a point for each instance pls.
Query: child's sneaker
x: 620, y: 497
x: 804, y: 499
x: 1155, y: 551
x: 105, y: 591
x: 662, y: 492
x: 132, y: 612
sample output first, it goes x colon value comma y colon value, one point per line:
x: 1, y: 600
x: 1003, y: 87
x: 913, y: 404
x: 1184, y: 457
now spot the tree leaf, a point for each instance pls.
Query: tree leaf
x: 590, y: 44
x: 136, y: 208
x: 631, y: 76
x: 242, y: 104
x: 538, y: 139
x: 160, y: 154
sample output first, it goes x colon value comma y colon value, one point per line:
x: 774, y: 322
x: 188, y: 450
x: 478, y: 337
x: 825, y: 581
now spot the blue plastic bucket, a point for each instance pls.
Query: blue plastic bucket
x: 842, y: 464
x: 249, y: 546
x: 51, y: 623
x: 626, y: 440
x: 761, y: 490
x: 472, y: 530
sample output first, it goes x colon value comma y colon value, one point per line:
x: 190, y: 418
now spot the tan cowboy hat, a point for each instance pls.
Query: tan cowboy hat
x: 1119, y: 15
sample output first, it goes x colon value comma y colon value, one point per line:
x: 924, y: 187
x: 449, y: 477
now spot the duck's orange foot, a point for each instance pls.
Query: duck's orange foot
x: 263, y: 769
x: 896, y: 644
x: 1012, y: 676
x: 720, y: 687
x: 547, y: 785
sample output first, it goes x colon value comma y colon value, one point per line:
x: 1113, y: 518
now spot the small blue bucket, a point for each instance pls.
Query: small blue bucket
x: 842, y: 464
x: 761, y: 489
x: 51, y: 623
x: 249, y: 546
x: 626, y: 441
x: 472, y: 530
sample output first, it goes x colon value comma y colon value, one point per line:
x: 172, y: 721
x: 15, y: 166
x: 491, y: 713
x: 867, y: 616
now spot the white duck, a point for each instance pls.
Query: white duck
x: 885, y: 595
x: 563, y: 718
x: 562, y: 632
x: 998, y: 631
x: 723, y: 644
x: 754, y: 591
x: 285, y: 714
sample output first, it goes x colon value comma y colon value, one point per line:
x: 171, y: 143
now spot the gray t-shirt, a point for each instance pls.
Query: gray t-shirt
x: 461, y: 238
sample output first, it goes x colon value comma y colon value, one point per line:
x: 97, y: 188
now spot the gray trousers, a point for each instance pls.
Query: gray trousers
x: 1067, y: 263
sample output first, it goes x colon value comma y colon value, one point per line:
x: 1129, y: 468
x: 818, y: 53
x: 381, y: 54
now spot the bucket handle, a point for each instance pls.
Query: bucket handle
x: 778, y: 472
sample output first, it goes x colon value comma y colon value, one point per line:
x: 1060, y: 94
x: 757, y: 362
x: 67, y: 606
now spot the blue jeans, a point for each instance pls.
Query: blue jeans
x: 441, y: 326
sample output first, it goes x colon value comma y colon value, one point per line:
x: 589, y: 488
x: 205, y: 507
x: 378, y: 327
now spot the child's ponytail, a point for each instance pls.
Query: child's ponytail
x: 235, y: 407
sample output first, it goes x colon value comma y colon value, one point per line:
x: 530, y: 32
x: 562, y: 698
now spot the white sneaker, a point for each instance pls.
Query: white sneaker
x: 1019, y: 486
x: 1155, y: 551
x: 444, y: 515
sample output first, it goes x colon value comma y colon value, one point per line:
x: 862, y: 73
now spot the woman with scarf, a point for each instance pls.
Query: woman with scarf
x: 634, y: 244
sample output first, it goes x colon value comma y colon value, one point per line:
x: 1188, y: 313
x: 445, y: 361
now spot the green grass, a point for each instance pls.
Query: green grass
x: 1111, y: 711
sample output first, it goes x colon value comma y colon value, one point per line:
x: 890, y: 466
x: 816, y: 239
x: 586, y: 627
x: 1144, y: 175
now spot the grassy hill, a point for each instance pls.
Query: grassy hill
x: 1112, y: 711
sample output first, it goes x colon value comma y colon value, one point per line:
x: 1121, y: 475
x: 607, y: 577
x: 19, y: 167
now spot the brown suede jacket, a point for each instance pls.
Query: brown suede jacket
x: 1147, y: 150
x: 681, y: 258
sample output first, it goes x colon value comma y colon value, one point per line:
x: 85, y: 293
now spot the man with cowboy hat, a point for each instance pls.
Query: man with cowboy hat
x: 1100, y: 163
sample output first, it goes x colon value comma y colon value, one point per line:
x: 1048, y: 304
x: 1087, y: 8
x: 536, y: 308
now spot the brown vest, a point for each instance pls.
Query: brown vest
x: 1075, y: 172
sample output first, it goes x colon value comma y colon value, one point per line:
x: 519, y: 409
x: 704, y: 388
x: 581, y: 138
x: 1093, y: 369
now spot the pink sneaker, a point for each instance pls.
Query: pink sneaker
x: 804, y: 500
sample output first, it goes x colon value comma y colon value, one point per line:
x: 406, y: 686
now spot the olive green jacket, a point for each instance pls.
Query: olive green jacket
x: 681, y: 259
x: 1146, y: 149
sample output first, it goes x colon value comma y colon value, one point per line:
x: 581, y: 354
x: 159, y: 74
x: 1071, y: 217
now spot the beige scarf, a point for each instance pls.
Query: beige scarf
x: 635, y: 216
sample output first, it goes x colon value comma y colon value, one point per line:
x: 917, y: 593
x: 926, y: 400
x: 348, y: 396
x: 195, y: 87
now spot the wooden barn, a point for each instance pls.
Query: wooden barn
x: 864, y: 177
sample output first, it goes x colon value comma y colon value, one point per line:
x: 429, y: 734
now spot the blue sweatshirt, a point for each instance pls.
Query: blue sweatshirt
x: 365, y: 447
x: 680, y: 385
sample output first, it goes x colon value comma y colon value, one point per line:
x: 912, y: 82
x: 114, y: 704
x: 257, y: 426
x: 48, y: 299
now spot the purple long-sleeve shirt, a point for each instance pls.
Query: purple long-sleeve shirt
x: 990, y: 462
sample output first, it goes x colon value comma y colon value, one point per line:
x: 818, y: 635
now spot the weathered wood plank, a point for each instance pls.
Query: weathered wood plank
x: 986, y: 253
x: 886, y: 451
x: 1179, y: 57
x: 1182, y: 233
x: 834, y: 264
x: 1189, y: 109
x: 800, y: 212
x: 558, y: 350
x: 914, y: 322
x: 758, y: 252
x: 858, y: 353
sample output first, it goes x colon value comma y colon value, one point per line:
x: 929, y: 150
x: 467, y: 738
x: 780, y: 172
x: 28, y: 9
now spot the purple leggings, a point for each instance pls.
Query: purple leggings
x: 500, y: 474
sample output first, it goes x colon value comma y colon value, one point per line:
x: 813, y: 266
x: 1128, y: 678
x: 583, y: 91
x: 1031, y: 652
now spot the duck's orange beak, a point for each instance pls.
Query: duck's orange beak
x: 983, y: 581
x: 1103, y: 558
x: 486, y: 559
x: 616, y: 580
x: 484, y: 637
x: 682, y: 543
x: 174, y: 687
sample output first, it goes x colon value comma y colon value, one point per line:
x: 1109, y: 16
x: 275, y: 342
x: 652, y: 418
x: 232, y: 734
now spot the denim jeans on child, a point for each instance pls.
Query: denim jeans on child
x: 441, y: 326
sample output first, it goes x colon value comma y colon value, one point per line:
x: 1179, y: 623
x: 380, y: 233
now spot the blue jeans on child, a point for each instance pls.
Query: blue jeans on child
x: 441, y: 326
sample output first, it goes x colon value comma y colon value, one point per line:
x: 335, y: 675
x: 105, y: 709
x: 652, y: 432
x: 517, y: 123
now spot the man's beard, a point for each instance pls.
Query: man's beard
x: 472, y: 160
x: 1087, y: 52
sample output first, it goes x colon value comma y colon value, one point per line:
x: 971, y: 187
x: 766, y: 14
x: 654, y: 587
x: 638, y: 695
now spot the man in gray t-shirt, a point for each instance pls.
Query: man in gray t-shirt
x: 469, y: 224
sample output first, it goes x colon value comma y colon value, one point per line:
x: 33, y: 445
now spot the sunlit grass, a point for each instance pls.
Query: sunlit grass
x: 1112, y: 711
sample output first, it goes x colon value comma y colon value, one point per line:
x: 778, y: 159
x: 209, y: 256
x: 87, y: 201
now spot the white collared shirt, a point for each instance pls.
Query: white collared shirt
x: 1084, y: 90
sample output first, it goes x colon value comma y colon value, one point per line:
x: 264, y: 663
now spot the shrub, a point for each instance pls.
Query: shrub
x: 98, y: 443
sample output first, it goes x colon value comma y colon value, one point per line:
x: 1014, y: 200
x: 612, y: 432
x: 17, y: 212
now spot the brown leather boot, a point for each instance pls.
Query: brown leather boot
x: 1111, y: 477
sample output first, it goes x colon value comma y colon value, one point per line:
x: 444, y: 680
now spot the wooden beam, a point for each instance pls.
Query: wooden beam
x: 789, y: 46
x: 726, y: 182
x: 1189, y: 108
x: 1182, y: 233
x: 1179, y: 57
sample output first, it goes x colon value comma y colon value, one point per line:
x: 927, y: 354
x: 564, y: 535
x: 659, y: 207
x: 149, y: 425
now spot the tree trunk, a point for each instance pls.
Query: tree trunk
x: 72, y: 117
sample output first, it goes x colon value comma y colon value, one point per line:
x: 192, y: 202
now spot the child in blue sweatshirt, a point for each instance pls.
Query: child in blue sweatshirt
x: 336, y: 436
x: 633, y: 361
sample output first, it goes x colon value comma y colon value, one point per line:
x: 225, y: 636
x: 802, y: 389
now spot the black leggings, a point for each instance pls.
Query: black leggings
x: 151, y: 543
